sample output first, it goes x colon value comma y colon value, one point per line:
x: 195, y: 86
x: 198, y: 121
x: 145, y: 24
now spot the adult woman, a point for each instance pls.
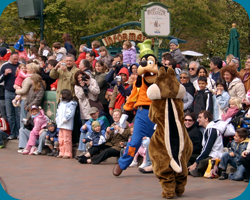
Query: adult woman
x: 67, y: 42
x: 194, y: 134
x: 36, y: 92
x: 99, y: 76
x: 201, y: 71
x: 32, y: 68
x: 190, y: 90
x: 244, y: 75
x: 112, y: 146
x: 235, y: 86
x: 86, y: 88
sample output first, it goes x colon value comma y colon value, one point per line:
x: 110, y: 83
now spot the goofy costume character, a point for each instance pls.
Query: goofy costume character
x: 147, y: 73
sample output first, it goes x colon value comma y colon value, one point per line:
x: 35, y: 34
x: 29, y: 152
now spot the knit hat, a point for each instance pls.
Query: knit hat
x: 51, y: 123
x: 20, y: 44
x: 175, y: 41
x: 3, y: 51
x: 95, y: 124
x: 145, y: 48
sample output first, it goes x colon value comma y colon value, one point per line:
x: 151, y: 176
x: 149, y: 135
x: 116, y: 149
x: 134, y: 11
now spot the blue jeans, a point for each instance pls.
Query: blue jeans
x: 13, y: 114
x: 24, y: 137
x: 82, y: 146
x: 3, y: 136
x: 225, y: 159
x: 23, y: 113
x: 142, y: 127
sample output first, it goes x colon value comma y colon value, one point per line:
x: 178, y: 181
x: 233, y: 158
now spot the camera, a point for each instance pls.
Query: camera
x: 24, y: 121
x: 118, y: 78
x: 84, y: 78
x: 85, y: 87
x: 64, y: 64
x: 112, y: 128
x: 116, y: 64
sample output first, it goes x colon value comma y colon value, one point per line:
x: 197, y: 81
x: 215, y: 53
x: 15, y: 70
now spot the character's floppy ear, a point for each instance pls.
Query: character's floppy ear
x: 138, y: 81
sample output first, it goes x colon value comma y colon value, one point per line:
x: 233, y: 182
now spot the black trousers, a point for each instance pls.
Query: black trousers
x: 246, y: 163
x: 105, y: 154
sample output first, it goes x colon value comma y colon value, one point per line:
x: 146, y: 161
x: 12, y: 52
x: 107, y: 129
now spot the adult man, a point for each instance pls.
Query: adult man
x: 116, y: 66
x: 212, y: 145
x: 215, y: 66
x: 65, y: 73
x: 90, y: 56
x: 193, y: 66
x: 8, y: 75
x: 86, y: 129
x: 171, y: 62
x: 235, y: 62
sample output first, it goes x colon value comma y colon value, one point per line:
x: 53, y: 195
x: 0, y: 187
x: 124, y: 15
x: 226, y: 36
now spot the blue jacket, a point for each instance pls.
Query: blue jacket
x: 96, y: 138
x: 222, y: 100
x: 53, y: 134
x: 237, y: 149
x: 65, y: 114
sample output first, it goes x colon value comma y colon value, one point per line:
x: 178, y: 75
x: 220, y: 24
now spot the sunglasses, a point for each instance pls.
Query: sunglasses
x: 183, y: 77
x: 188, y: 120
x: 191, y: 69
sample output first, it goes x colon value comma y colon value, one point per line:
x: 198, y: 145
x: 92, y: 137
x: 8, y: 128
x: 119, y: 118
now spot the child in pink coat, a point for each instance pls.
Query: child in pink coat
x: 40, y: 121
x: 21, y: 74
x: 235, y: 106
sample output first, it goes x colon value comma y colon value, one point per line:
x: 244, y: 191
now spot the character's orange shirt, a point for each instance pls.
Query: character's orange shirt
x: 138, y: 97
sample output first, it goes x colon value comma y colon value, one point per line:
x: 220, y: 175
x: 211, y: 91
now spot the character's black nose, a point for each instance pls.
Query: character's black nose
x: 143, y: 63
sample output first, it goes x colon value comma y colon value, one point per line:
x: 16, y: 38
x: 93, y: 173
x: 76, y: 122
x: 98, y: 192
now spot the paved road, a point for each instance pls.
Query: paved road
x: 42, y: 177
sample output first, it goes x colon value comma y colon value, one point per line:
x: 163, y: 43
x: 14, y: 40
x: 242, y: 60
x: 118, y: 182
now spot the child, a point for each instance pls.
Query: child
x: 51, y: 139
x: 220, y: 99
x: 129, y: 53
x: 124, y: 144
x: 203, y: 99
x: 234, y: 107
x: 105, y: 56
x: 238, y: 145
x: 142, y: 152
x: 65, y: 121
x: 20, y: 76
x: 96, y: 138
x: 176, y: 53
x: 40, y: 121
x: 19, y: 48
x: 59, y: 51
x: 95, y: 47
x: 82, y: 54
x: 32, y: 53
x: 4, y: 130
x: 44, y: 50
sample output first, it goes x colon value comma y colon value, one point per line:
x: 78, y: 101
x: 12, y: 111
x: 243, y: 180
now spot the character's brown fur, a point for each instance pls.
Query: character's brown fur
x: 172, y: 183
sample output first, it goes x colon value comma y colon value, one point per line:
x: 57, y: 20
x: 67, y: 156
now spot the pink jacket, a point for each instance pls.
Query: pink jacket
x: 40, y: 122
x: 20, y: 78
x: 230, y: 113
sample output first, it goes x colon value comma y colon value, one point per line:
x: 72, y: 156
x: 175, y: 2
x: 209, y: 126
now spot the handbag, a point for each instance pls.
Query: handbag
x: 96, y: 104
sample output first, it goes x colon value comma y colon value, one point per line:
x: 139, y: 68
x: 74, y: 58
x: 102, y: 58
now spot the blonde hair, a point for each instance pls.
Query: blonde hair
x: 38, y: 82
x: 236, y: 101
x: 229, y: 57
x: 127, y: 44
x: 34, y: 67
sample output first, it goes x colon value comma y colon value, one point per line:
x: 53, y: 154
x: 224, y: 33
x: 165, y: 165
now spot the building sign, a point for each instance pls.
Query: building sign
x: 155, y: 20
x: 134, y: 35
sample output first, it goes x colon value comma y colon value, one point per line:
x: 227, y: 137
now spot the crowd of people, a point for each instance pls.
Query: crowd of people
x: 91, y: 90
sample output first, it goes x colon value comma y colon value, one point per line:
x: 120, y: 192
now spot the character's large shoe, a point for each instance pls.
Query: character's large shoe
x: 117, y: 170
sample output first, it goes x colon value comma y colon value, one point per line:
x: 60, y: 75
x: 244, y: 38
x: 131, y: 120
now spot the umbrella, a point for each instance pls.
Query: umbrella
x: 191, y: 53
x: 233, y: 43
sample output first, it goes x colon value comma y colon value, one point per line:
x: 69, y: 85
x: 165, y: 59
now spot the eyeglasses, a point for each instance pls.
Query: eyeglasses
x: 183, y: 77
x: 191, y: 69
x: 236, y: 58
x: 189, y: 120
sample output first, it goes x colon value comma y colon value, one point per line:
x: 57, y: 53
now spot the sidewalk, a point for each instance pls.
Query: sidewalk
x: 42, y: 177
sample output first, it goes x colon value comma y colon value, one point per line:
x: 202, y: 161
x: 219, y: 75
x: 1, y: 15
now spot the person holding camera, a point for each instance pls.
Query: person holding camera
x: 64, y: 71
x: 121, y: 91
x: 117, y: 65
x: 86, y: 88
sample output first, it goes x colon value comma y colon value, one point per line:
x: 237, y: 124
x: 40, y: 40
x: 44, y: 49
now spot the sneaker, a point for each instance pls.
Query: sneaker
x: 195, y: 173
x: 25, y: 152
x: 59, y: 156
x: 52, y: 153
x: 11, y: 138
x: 56, y: 154
x: 134, y: 164
x: 80, y: 155
x: 32, y: 150
x: 14, y: 103
x: 1, y: 146
x: 20, y: 150
x: 36, y: 152
x: 246, y: 180
x: 223, y: 176
x: 142, y: 165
